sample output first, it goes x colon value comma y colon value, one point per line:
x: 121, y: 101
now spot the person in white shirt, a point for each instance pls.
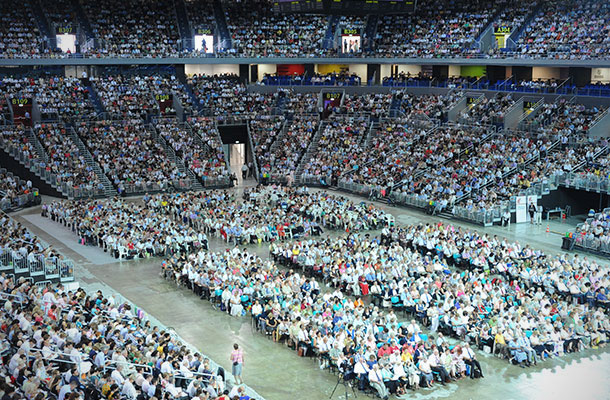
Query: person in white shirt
x: 166, y: 367
x: 238, y: 391
x: 194, y: 386
x: 377, y: 382
x: 117, y: 376
x: 65, y: 389
x: 100, y: 358
x: 129, y: 390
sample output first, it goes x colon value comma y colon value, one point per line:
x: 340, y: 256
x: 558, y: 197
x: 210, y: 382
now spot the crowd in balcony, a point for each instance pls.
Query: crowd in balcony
x: 126, y: 97
x: 199, y: 148
x: 341, y: 140
x: 19, y: 36
x: 139, y: 28
x: 59, y: 12
x: 15, y: 140
x: 568, y: 30
x: 382, y: 162
x: 317, y: 79
x: 74, y: 345
x: 220, y: 94
x: 65, y: 160
x: 130, y: 155
x: 291, y: 145
x: 430, y: 106
x: 434, y: 30
x: 514, y: 16
x: 570, y: 119
x: 58, y: 98
x: 201, y: 14
x: 67, y: 98
x: 264, y: 130
x: 256, y: 31
x: 137, y: 96
x: 488, y: 111
x: 377, y: 104
x: 300, y: 103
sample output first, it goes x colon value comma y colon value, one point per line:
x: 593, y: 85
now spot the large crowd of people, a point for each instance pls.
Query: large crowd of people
x: 564, y: 29
x: 65, y: 160
x: 256, y: 31
x: 215, y: 165
x: 199, y: 150
x: 429, y: 33
x: 435, y: 29
x: 123, y: 229
x: 516, y: 302
x: 412, y: 152
x: 508, y: 289
x: 134, y: 29
x: 19, y: 35
x: 340, y: 140
x: 488, y: 111
x: 129, y: 154
x: 264, y: 130
x: 66, y: 99
x: 74, y: 345
x: 139, y: 96
x: 290, y: 145
x: 180, y: 222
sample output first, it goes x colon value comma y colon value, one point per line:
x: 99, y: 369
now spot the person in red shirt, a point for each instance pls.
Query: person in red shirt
x: 383, y: 351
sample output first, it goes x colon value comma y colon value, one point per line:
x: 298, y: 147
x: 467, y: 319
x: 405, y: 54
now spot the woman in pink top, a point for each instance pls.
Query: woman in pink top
x: 237, y: 358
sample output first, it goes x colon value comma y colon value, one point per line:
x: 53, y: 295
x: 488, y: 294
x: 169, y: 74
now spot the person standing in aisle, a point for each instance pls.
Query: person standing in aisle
x: 237, y: 358
x: 244, y: 171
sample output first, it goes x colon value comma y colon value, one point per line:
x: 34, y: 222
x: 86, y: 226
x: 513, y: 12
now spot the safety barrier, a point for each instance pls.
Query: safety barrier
x: 36, y: 265
x: 22, y: 200
x: 149, y: 187
x: 593, y: 244
x: 591, y: 183
x: 483, y: 217
x: 219, y: 181
x: 409, y: 200
x: 356, y: 188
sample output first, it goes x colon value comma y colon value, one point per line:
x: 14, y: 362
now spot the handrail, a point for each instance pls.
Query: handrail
x: 252, y: 152
x: 10, y: 295
x: 67, y: 358
x: 561, y: 84
x: 599, y: 117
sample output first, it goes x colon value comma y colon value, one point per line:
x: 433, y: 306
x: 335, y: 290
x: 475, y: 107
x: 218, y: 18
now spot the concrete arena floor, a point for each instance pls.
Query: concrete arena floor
x: 276, y: 372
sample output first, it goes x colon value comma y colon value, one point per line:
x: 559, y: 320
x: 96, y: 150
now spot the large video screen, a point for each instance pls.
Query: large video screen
x: 350, y: 40
x: 66, y: 42
x: 204, y: 43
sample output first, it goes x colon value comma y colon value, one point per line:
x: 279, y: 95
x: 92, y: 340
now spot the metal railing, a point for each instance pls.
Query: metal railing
x: 409, y: 200
x: 21, y: 200
x: 482, y: 216
x: 36, y: 265
x: 582, y: 181
x: 149, y: 187
x: 60, y: 181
